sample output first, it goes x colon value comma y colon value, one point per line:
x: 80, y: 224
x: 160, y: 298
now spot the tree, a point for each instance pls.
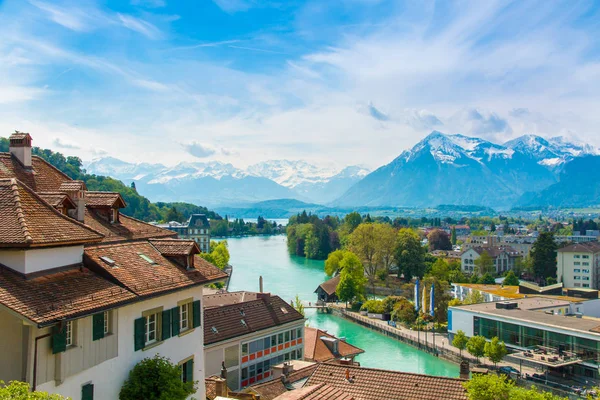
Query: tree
x: 543, y: 256
x: 352, y: 278
x: 484, y: 264
x: 440, y: 269
x: 218, y: 255
x: 439, y: 240
x: 404, y: 312
x: 460, y: 341
x: 174, y: 215
x: 511, y: 279
x: 495, y: 350
x: 363, y: 243
x: 352, y: 220
x: 476, y: 346
x: 332, y: 264
x: 410, y: 254
x: 494, y: 387
x: 551, y: 280
x: 487, y: 279
x: 453, y: 236
x: 156, y: 379
x: 474, y: 297
x: 16, y: 390
x: 297, y: 304
x: 386, y: 246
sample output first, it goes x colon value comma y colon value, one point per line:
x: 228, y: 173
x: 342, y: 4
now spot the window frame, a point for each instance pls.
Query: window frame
x: 70, y: 333
x: 106, y: 328
x: 157, y: 313
x: 189, y: 320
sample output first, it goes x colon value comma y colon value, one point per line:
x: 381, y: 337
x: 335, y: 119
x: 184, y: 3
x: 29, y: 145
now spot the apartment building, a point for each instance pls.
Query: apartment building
x: 197, y: 228
x: 86, y: 292
x: 504, y: 258
x: 578, y: 265
x: 249, y: 333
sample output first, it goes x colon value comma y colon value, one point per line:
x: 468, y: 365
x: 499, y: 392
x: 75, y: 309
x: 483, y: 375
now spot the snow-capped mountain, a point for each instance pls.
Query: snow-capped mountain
x: 553, y: 152
x: 291, y: 173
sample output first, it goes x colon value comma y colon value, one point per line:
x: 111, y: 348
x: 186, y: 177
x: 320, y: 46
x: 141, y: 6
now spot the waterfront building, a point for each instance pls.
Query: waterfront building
x: 504, y: 258
x: 319, y: 346
x: 86, y: 292
x: 558, y: 335
x: 250, y: 333
x: 197, y: 228
x: 578, y: 265
x: 326, y: 290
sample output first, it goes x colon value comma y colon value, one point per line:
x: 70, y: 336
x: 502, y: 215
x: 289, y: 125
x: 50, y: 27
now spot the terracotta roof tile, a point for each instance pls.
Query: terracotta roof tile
x: 175, y: 247
x: 270, y: 390
x: 141, y: 268
x: 72, y: 186
x: 377, y: 384
x: 587, y: 247
x: 260, y: 314
x: 321, y: 391
x: 28, y: 221
x: 330, y: 285
x: 316, y: 350
x: 59, y: 295
x: 104, y: 199
x: 57, y: 199
x: 41, y: 177
x: 208, y: 270
x: 126, y: 229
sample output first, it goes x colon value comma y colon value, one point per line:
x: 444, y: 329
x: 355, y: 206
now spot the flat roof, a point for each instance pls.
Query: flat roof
x: 531, y: 310
x: 512, y: 292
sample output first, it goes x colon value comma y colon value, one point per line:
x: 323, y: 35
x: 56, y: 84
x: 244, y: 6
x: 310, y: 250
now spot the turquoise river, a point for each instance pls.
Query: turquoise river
x: 287, y: 276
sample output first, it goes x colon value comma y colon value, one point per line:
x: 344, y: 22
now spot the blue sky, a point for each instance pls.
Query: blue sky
x: 332, y: 82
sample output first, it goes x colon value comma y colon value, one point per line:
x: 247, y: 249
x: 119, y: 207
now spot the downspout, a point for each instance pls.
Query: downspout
x: 35, y: 353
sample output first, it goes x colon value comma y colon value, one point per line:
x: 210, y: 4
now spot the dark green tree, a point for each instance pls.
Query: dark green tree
x: 439, y: 240
x: 453, y: 236
x: 486, y: 279
x: 410, y: 255
x: 511, y: 279
x: 543, y: 256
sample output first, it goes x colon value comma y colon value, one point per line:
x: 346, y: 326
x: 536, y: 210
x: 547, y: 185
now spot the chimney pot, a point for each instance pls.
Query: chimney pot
x: 20, y: 147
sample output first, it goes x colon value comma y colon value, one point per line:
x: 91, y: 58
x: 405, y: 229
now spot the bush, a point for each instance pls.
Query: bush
x: 16, y: 390
x: 373, y: 306
x: 156, y: 379
x: 356, y: 306
x: 390, y: 302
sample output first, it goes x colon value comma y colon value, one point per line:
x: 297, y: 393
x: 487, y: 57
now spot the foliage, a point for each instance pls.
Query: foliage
x: 474, y: 297
x: 16, y: 390
x: 510, y: 279
x: 390, y: 302
x: 543, y: 256
x: 439, y: 240
x: 297, y: 304
x: 404, y: 311
x: 494, y: 387
x: 441, y: 291
x: 156, y: 379
x: 332, y: 264
x: 487, y: 279
x: 373, y: 306
x: 453, y: 236
x: 311, y: 237
x: 352, y: 278
x: 460, y: 341
x: 484, y: 264
x: 495, y: 350
x: 410, y: 254
x: 476, y: 346
x: 551, y: 280
x: 374, y: 244
x: 219, y: 254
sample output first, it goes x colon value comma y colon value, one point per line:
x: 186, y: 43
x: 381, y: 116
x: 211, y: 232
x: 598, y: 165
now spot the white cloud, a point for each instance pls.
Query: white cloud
x: 65, y: 143
x: 199, y: 150
x: 71, y: 18
x: 140, y: 26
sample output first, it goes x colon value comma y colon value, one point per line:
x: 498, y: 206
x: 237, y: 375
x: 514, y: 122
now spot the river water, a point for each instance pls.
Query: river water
x: 286, y: 276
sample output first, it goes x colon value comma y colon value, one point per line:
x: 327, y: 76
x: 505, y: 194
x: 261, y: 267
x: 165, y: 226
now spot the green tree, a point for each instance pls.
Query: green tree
x: 404, y: 312
x: 474, y: 297
x: 332, y: 264
x: 410, y: 255
x: 218, y: 255
x: 363, y: 243
x: 16, y: 390
x: 476, y: 346
x: 297, y: 304
x: 487, y: 279
x: 453, y: 236
x: 440, y: 269
x: 551, y: 280
x: 460, y: 341
x: 156, y: 379
x: 484, y: 264
x: 498, y: 387
x: 352, y: 220
x: 439, y: 240
x: 495, y: 350
x: 352, y: 278
x: 511, y: 279
x: 543, y: 256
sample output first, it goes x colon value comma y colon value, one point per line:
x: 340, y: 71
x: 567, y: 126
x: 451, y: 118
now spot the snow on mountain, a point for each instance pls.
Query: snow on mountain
x: 195, y: 170
x: 552, y: 152
x: 291, y: 173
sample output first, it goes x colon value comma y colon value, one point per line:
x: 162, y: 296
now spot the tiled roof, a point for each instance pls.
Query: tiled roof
x: 586, y: 247
x: 175, y: 247
x: 316, y: 350
x: 330, y: 285
x: 104, y: 199
x: 56, y: 199
x: 72, y: 186
x: 494, y: 251
x: 126, y: 229
x: 59, y: 295
x: 263, y: 313
x: 377, y: 384
x: 28, y: 221
x: 321, y: 391
x: 19, y: 135
x: 209, y: 271
x: 141, y: 268
x: 275, y: 387
x: 41, y: 177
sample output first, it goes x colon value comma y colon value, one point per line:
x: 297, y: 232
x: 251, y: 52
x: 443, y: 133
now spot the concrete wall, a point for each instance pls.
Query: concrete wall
x: 35, y: 260
x: 109, y: 375
x: 11, y: 347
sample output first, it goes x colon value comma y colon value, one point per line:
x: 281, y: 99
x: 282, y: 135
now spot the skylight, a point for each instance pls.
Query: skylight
x: 214, y: 330
x: 283, y: 310
x: 108, y: 260
x: 243, y: 323
x: 146, y: 258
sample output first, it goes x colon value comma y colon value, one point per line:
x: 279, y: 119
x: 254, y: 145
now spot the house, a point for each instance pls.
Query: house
x: 578, y: 265
x: 197, y: 228
x: 86, y: 292
x: 504, y: 258
x: 320, y: 346
x: 250, y: 333
x: 326, y: 290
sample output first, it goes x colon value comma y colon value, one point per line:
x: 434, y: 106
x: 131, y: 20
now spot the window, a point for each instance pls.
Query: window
x: 244, y: 373
x: 586, y: 271
x: 585, y: 264
x: 267, y: 365
x: 577, y: 278
x: 287, y: 336
x: 586, y: 285
x: 187, y: 370
x: 245, y: 349
x: 147, y: 259
x: 586, y: 278
x: 274, y: 340
x: 576, y: 263
x: 293, y: 333
x: 152, y: 324
x: 577, y: 284
x: 577, y: 270
x: 106, y: 322
x: 280, y: 338
x: 184, y: 316
x: 267, y: 342
x: 69, y: 334
x: 259, y: 368
x: 585, y: 257
x: 576, y: 256
x: 299, y: 333
x: 286, y: 356
x: 252, y: 370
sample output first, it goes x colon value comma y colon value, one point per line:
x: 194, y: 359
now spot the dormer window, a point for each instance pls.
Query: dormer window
x: 114, y: 216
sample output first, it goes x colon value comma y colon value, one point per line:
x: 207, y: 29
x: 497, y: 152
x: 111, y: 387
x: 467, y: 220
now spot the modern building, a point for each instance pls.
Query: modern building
x: 86, y: 292
x: 250, y: 333
x: 197, y: 228
x: 552, y: 334
x: 578, y: 265
x: 320, y: 346
x: 504, y: 258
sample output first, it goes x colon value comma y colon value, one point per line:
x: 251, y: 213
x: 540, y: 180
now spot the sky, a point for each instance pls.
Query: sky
x: 339, y: 82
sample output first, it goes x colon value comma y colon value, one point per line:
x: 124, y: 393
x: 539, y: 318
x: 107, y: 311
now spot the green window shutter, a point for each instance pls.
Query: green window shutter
x: 97, y: 326
x: 87, y: 392
x: 59, y: 340
x: 166, y: 324
x: 189, y: 371
x: 196, y: 318
x: 139, y: 332
x: 175, y: 321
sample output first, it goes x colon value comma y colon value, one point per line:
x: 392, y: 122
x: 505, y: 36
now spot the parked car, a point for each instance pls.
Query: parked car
x: 508, y: 370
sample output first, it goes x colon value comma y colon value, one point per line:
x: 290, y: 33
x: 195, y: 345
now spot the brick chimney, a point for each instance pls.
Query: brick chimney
x: 20, y: 147
x: 221, y: 387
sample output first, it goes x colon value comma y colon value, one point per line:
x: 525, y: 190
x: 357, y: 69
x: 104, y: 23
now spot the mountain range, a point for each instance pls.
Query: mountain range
x: 440, y: 169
